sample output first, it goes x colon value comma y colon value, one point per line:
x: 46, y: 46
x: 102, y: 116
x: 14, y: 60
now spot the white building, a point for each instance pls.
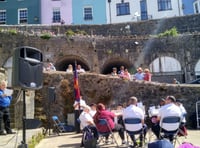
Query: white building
x: 119, y: 11
x: 164, y: 8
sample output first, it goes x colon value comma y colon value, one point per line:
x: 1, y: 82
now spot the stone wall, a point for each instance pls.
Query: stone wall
x: 111, y: 91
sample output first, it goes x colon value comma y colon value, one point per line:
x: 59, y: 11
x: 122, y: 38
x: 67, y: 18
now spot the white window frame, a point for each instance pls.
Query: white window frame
x: 56, y: 9
x: 3, y: 22
x: 19, y: 19
x: 196, y: 3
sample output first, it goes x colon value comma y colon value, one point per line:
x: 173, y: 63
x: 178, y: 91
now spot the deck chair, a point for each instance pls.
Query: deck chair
x: 61, y: 127
x: 134, y: 127
x: 109, y: 133
x: 169, y: 128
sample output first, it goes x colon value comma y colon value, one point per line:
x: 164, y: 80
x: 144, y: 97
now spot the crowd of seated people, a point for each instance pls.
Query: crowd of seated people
x: 116, y: 117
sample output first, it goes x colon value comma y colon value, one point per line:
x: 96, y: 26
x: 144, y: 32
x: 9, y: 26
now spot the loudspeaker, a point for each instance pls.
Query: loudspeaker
x: 51, y: 94
x: 27, y: 70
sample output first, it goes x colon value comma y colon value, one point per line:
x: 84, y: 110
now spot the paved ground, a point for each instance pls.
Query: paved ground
x: 72, y: 140
x: 14, y: 140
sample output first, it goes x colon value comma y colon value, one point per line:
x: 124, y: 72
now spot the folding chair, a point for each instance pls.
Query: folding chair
x: 109, y: 133
x: 133, y: 127
x: 61, y: 127
x: 169, y: 128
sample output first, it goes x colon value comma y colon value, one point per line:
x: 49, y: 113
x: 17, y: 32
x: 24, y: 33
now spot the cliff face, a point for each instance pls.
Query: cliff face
x: 111, y: 91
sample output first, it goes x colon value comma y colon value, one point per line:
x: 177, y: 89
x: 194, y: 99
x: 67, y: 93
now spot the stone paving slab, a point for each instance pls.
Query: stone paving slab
x: 72, y: 140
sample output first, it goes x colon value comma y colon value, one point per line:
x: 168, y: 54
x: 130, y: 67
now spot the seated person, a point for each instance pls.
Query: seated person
x: 102, y: 113
x: 169, y: 109
x: 86, y: 121
x: 133, y: 111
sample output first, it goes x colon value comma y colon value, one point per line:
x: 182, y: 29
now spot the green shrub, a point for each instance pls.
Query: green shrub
x: 35, y: 140
x: 172, y: 32
x: 45, y: 36
x: 69, y: 32
x: 12, y: 31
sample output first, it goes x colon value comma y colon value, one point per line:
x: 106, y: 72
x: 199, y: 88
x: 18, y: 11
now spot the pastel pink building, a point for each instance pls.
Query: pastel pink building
x: 56, y: 12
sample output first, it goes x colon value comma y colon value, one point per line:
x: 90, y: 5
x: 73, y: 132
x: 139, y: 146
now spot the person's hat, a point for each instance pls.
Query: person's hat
x: 172, y: 98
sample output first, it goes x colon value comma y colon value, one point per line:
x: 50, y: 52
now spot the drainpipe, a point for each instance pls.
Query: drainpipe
x: 109, y: 1
x: 179, y: 11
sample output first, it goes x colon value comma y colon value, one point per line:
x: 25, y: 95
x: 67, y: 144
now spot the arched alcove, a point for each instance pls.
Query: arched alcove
x: 62, y: 64
x: 107, y: 67
x: 165, y: 64
x: 197, y: 69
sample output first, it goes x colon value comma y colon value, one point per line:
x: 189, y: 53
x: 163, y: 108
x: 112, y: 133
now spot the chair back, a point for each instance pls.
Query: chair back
x: 170, y: 123
x: 133, y: 124
x: 103, y: 126
x: 56, y: 120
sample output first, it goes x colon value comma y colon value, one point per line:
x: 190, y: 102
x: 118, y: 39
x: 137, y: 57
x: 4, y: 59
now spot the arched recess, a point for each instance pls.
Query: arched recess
x: 165, y: 69
x: 62, y: 64
x: 117, y: 62
x: 165, y: 64
x: 197, y: 69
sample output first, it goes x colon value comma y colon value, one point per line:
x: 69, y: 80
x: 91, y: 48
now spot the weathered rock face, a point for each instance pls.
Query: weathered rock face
x: 109, y: 90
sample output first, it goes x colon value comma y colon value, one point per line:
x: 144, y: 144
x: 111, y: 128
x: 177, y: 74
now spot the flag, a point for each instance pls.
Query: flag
x: 76, y: 86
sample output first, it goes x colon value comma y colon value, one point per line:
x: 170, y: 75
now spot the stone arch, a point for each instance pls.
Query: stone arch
x: 116, y: 62
x: 197, y: 69
x: 165, y: 64
x: 62, y: 63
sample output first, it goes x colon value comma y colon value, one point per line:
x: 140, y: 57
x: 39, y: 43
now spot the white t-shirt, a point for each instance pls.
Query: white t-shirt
x: 169, y: 110
x: 84, y: 118
x: 133, y: 111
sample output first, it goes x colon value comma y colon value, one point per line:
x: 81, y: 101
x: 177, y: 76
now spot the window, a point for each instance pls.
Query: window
x: 164, y: 5
x: 88, y: 13
x: 2, y: 16
x: 56, y: 15
x: 23, y: 16
x: 123, y: 9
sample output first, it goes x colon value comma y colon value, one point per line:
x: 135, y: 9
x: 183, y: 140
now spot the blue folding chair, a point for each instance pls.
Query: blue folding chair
x: 61, y: 127
x: 109, y: 133
x: 133, y: 127
x: 169, y: 128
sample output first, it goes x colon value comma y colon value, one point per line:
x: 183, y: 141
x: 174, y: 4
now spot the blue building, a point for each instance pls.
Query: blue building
x: 89, y: 12
x: 13, y: 12
x: 188, y: 7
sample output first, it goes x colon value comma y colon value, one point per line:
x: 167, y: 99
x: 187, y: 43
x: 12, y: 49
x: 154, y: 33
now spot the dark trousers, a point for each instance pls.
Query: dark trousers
x: 120, y: 129
x: 77, y: 121
x: 5, y: 118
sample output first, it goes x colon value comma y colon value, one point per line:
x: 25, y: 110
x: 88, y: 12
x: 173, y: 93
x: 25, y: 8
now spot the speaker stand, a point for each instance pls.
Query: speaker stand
x: 23, y: 142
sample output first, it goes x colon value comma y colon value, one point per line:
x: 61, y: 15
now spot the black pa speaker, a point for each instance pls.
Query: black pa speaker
x: 27, y: 71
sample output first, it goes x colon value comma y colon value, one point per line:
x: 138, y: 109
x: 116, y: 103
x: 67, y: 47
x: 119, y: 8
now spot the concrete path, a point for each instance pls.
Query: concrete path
x: 14, y: 140
x: 72, y: 140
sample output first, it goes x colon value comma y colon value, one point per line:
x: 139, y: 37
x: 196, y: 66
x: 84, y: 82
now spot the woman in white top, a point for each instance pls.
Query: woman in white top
x: 69, y: 69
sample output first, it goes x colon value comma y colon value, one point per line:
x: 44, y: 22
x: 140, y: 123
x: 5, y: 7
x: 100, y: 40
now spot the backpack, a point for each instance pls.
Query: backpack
x: 161, y: 144
x: 89, y: 139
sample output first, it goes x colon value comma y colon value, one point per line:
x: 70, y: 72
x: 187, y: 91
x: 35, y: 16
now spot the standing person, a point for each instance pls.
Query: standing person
x: 121, y: 71
x: 80, y: 69
x: 5, y: 102
x: 147, y: 75
x: 102, y: 113
x: 50, y: 67
x: 78, y: 108
x: 114, y: 71
x: 139, y: 75
x: 132, y: 111
x: 69, y: 69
